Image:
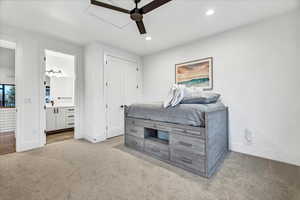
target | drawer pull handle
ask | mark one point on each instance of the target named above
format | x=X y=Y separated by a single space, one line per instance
x=70 y=123
x=185 y=144
x=133 y=130
x=71 y=116
x=70 y=109
x=186 y=160
x=155 y=150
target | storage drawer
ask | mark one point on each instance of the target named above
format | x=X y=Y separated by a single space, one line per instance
x=70 y=120
x=134 y=122
x=70 y=125
x=147 y=124
x=188 y=160
x=136 y=131
x=187 y=143
x=70 y=115
x=70 y=109
x=134 y=142
x=157 y=149
x=191 y=130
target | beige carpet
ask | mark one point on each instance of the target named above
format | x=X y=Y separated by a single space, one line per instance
x=78 y=170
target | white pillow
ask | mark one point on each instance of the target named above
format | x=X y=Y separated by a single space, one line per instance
x=178 y=95
x=175 y=96
x=178 y=92
x=192 y=92
x=170 y=97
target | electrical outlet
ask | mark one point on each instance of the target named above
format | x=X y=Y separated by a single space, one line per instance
x=248 y=137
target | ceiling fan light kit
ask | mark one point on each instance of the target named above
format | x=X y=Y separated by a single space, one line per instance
x=136 y=14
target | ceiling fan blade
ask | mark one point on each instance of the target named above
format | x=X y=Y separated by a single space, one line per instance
x=153 y=5
x=105 y=5
x=141 y=27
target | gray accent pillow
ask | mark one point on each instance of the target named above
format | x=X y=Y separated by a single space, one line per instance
x=205 y=98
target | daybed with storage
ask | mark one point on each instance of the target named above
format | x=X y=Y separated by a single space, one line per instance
x=198 y=149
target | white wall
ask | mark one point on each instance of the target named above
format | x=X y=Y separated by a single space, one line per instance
x=7 y=66
x=30 y=72
x=94 y=88
x=256 y=69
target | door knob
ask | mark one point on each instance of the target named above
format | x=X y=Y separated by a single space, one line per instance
x=122 y=106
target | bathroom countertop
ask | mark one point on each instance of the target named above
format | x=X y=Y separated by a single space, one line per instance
x=60 y=105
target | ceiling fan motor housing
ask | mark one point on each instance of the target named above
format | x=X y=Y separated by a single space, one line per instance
x=136 y=15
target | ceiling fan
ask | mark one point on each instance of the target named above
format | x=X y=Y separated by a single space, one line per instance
x=136 y=14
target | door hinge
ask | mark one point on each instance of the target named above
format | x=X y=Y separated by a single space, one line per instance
x=106 y=84
x=45 y=59
x=45 y=107
x=106 y=106
x=106 y=62
x=137 y=86
x=106 y=127
x=137 y=69
x=45 y=82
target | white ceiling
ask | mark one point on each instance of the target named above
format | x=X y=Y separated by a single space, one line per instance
x=175 y=23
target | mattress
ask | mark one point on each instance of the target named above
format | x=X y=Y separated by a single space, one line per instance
x=185 y=114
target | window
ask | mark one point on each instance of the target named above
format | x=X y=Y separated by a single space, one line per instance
x=7 y=96
x=1 y=95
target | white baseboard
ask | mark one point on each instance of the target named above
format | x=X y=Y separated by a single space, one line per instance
x=94 y=139
x=263 y=153
x=26 y=146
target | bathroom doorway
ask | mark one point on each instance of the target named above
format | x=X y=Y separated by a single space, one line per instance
x=59 y=89
x=7 y=98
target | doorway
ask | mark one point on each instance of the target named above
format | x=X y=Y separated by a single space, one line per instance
x=121 y=89
x=59 y=85
x=7 y=98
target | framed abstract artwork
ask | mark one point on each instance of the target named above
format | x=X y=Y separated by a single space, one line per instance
x=198 y=73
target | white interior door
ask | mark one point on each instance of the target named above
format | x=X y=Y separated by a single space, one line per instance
x=121 y=89
x=131 y=83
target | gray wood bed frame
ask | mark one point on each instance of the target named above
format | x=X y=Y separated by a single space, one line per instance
x=200 y=150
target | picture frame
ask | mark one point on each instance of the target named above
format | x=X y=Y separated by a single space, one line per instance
x=196 y=73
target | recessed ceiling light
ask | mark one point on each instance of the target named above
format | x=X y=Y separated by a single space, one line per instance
x=148 y=38
x=210 y=12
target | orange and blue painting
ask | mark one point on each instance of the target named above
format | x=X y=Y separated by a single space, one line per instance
x=195 y=74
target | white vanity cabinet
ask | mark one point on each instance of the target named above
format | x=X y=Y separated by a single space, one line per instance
x=58 y=118
x=50 y=119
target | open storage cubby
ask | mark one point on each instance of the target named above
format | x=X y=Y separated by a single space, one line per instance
x=156 y=135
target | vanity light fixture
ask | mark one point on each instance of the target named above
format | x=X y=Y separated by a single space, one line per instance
x=210 y=12
x=52 y=72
